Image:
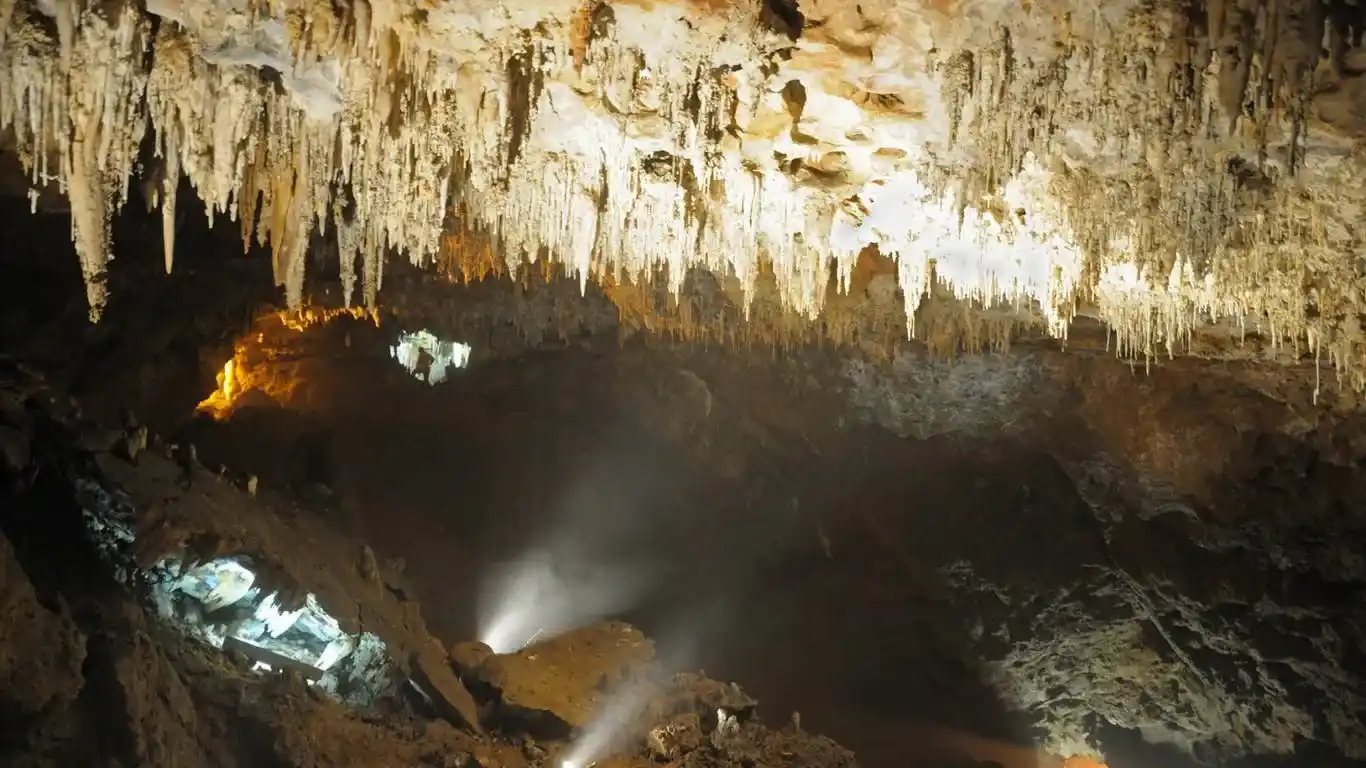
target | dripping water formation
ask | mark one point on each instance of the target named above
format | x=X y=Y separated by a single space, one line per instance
x=690 y=383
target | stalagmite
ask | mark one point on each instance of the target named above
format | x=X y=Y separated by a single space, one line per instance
x=1170 y=166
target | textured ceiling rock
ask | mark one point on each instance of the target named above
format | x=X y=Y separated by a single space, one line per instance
x=1158 y=164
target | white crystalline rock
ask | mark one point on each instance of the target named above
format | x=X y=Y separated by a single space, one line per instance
x=277 y=622
x=1029 y=155
x=336 y=650
x=232 y=584
x=441 y=355
x=229 y=34
x=1024 y=257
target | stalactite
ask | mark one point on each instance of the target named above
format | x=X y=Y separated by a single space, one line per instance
x=168 y=207
x=85 y=103
x=89 y=218
x=6 y=14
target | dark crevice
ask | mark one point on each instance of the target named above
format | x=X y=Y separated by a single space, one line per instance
x=783 y=17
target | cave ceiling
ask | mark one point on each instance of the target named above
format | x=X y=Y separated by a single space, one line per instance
x=1157 y=165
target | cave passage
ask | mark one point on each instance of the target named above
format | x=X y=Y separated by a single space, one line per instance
x=922 y=559
x=803 y=565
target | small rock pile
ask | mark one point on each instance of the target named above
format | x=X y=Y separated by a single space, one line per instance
x=604 y=677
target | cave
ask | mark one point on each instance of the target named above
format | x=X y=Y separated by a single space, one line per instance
x=540 y=386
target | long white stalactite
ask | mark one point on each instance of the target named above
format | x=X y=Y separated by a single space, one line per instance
x=1029 y=155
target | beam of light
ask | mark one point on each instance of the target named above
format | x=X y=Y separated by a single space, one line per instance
x=543 y=594
x=618 y=720
x=612 y=725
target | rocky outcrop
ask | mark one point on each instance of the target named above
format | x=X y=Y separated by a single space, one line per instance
x=42 y=653
x=1196 y=585
x=107 y=654
x=568 y=677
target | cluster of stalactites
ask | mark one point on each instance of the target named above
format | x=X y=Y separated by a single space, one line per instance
x=1190 y=179
x=79 y=103
x=74 y=102
x=623 y=159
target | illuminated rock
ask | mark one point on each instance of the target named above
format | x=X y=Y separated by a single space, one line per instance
x=468 y=656
x=673 y=739
x=569 y=676
x=1212 y=176
x=229 y=573
x=428 y=358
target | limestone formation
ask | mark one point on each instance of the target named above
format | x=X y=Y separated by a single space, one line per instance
x=1158 y=164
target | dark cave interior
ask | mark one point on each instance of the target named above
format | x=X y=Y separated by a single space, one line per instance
x=934 y=562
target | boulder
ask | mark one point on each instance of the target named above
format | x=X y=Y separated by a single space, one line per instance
x=433 y=674
x=569 y=676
